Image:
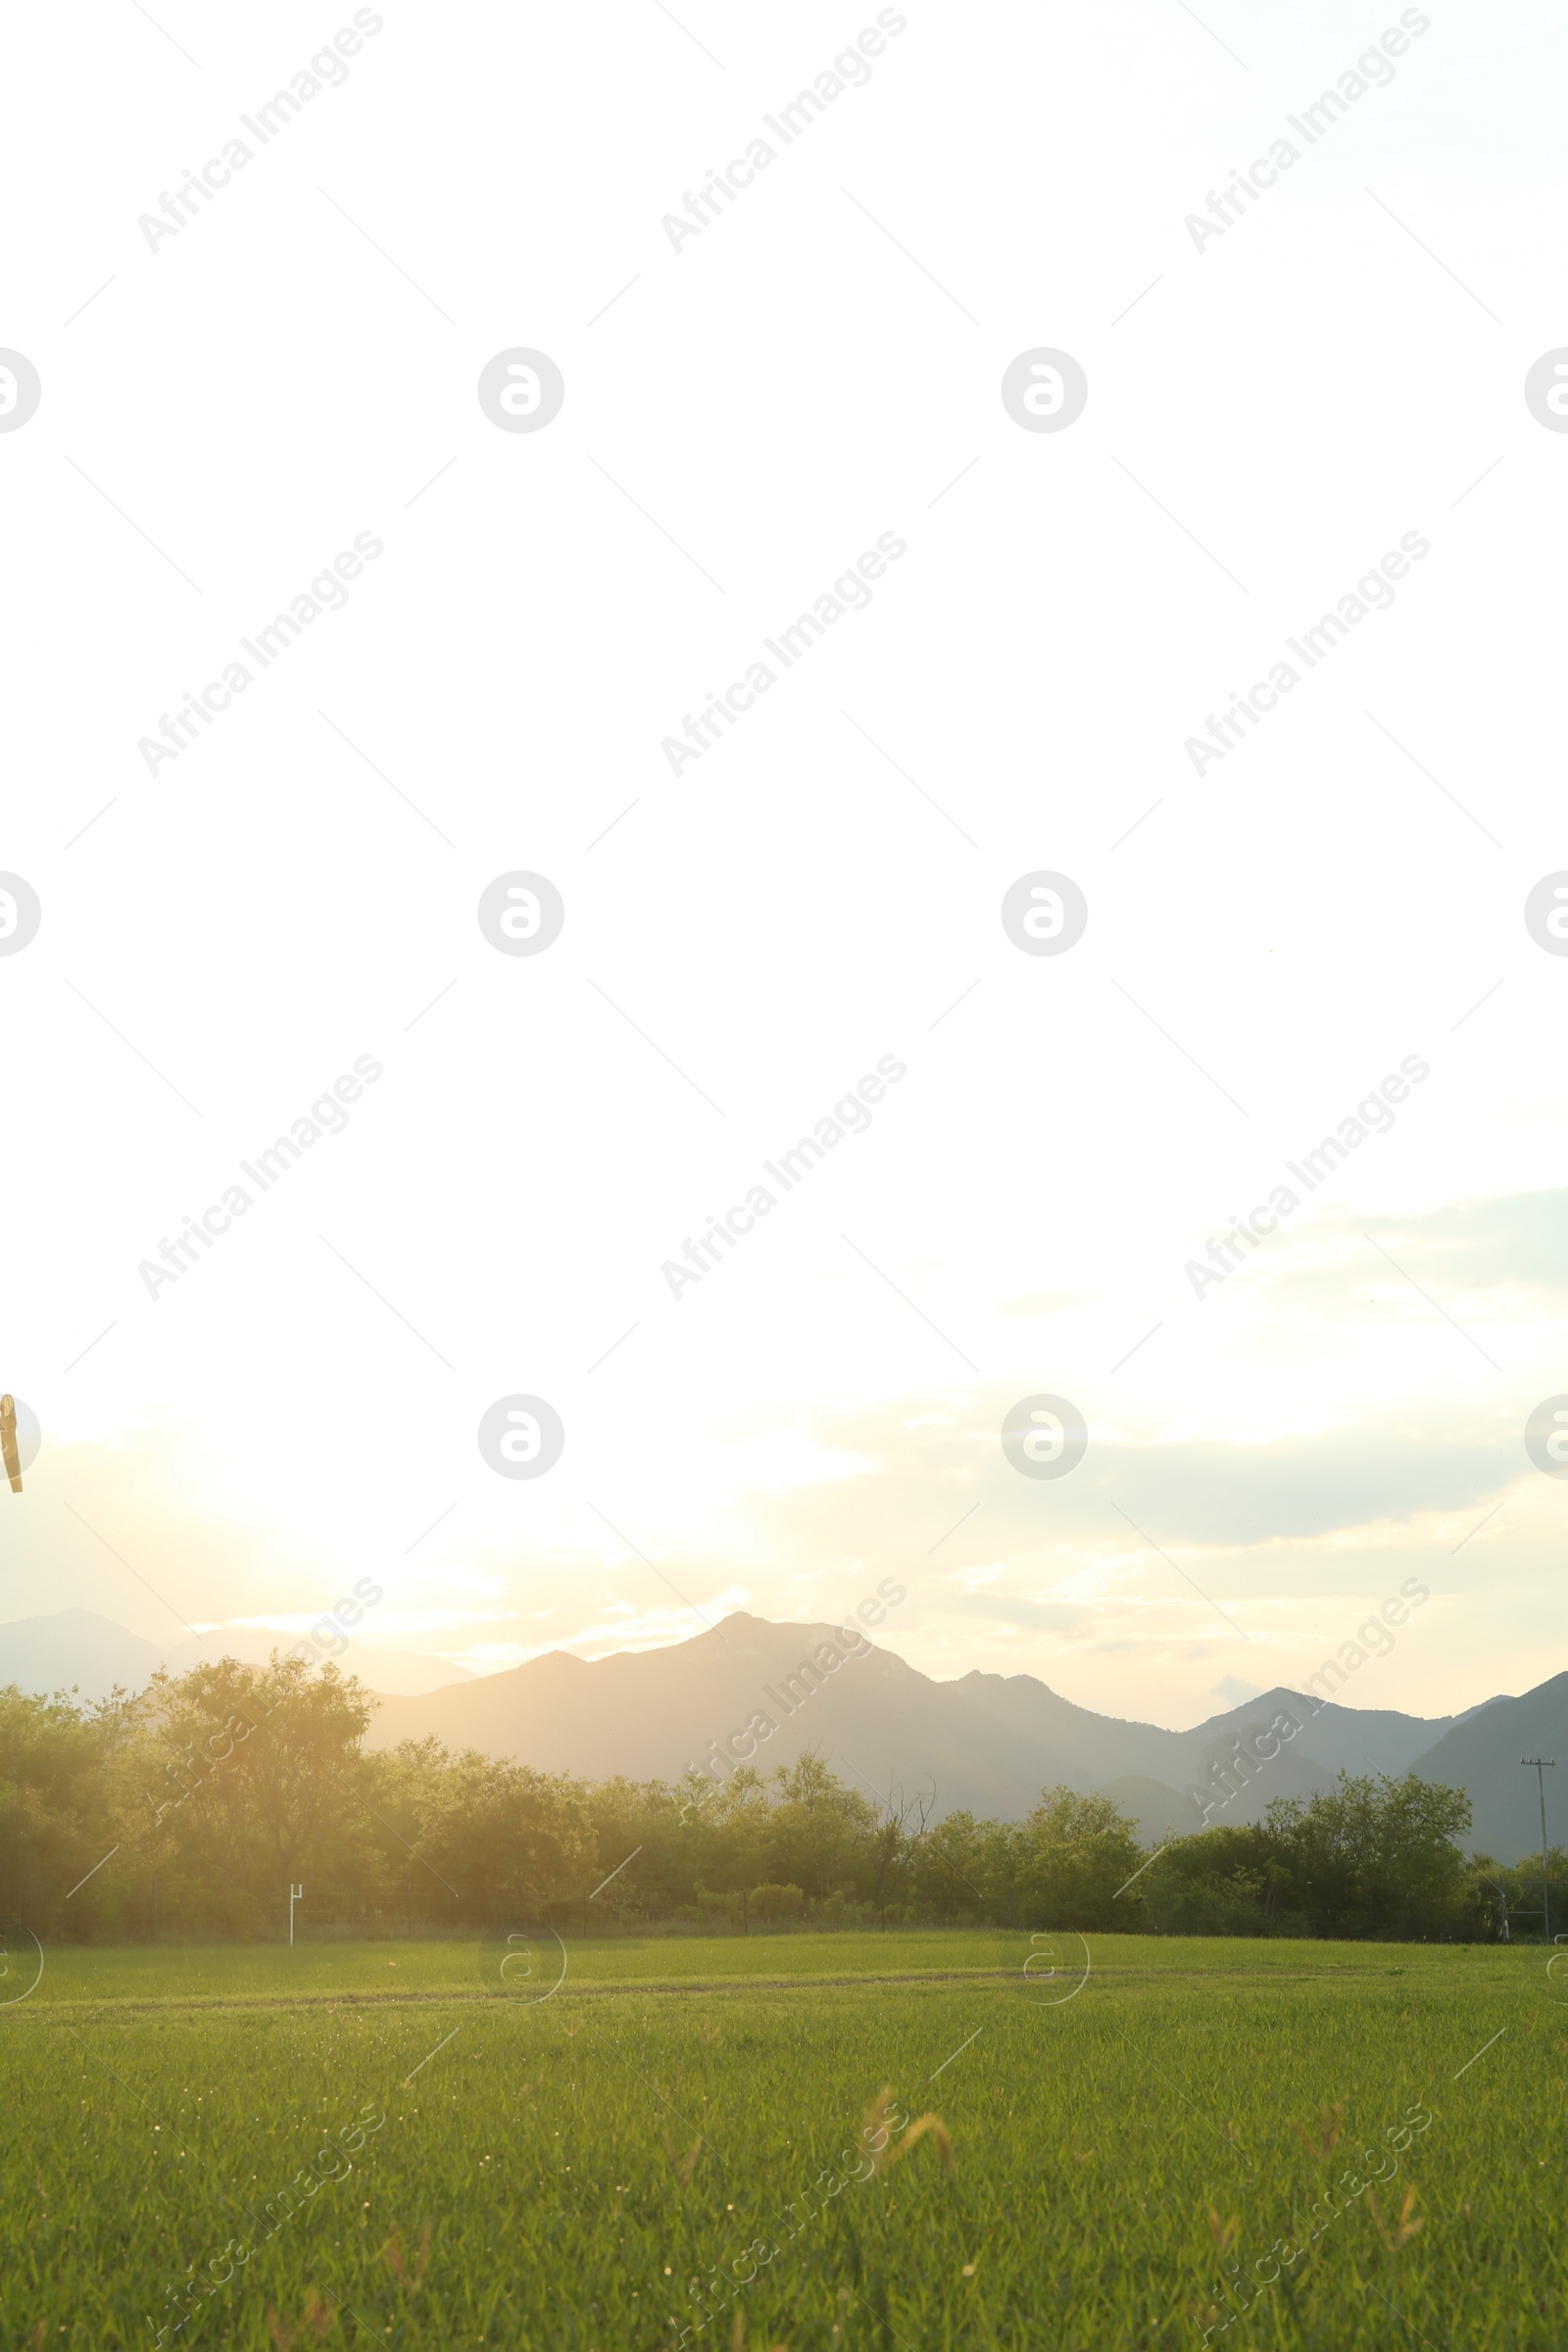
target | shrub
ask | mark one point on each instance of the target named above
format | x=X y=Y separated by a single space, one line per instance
x=768 y=1902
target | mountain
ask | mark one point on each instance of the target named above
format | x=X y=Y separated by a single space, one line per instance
x=379 y=1669
x=987 y=1742
x=1480 y=1753
x=77 y=1649
x=1159 y=1812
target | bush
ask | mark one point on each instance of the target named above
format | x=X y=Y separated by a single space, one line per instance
x=768 y=1902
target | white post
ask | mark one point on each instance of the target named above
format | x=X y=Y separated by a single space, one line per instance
x=295 y=1894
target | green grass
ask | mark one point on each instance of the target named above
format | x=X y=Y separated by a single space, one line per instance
x=155 y=2098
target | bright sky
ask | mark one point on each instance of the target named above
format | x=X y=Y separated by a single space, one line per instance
x=1272 y=410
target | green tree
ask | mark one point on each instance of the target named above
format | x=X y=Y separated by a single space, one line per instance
x=466 y=1841
x=234 y=1781
x=1074 y=1853
x=1375 y=1856
x=964 y=1868
x=819 y=1831
x=56 y=1821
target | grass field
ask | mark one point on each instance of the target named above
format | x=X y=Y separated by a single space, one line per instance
x=1119 y=2142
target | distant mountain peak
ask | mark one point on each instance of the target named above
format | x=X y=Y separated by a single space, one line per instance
x=751 y=1689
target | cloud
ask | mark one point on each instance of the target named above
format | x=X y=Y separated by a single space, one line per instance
x=1049 y=1616
x=1514 y=1240
x=935 y=1459
x=1297 y=1488
x=1520 y=1237
x=1234 y=1692
x=389 y=1622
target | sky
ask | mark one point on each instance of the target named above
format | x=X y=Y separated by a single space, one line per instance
x=1019 y=680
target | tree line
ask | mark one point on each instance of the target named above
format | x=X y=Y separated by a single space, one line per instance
x=188 y=1809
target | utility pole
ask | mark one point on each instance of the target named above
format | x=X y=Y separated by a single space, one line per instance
x=296 y=1894
x=155 y=1906
x=1546 y=1899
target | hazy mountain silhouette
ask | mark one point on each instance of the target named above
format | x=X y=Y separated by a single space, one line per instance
x=1480 y=1753
x=76 y=1648
x=988 y=1743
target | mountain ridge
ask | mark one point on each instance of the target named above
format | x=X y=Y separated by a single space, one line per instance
x=80 y=1649
x=751 y=1690
x=986 y=1742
